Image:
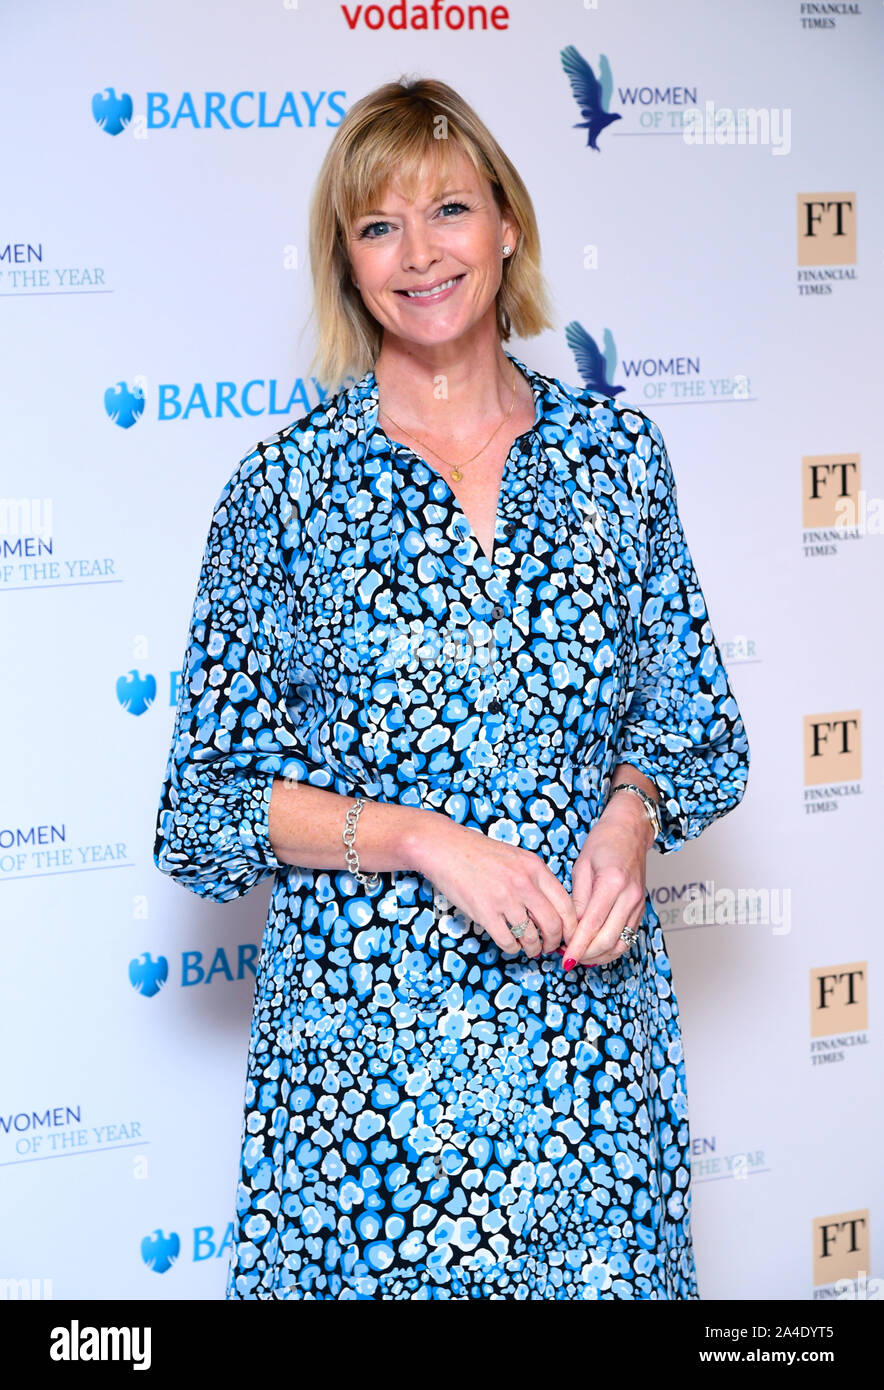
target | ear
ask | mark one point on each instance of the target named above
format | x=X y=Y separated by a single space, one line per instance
x=511 y=232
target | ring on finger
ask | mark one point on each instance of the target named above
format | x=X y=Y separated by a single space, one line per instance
x=630 y=936
x=519 y=929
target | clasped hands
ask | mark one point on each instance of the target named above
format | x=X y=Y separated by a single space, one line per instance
x=498 y=884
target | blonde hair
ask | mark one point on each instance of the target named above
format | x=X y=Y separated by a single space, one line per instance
x=396 y=129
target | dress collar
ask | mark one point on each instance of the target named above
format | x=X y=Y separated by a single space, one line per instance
x=551 y=404
x=576 y=449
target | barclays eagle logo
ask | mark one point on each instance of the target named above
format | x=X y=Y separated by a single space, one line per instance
x=595 y=369
x=592 y=94
x=160 y=1251
x=112 y=113
x=135 y=692
x=122 y=405
x=147 y=975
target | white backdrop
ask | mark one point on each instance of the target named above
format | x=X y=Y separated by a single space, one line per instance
x=739 y=285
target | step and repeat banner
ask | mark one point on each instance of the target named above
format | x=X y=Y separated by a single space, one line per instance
x=707 y=183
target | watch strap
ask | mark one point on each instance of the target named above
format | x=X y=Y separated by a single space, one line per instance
x=651 y=808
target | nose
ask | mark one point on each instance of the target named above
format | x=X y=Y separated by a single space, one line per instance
x=418 y=250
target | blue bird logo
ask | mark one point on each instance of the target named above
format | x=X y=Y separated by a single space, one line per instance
x=135 y=692
x=591 y=93
x=122 y=405
x=595 y=369
x=148 y=975
x=160 y=1251
x=112 y=113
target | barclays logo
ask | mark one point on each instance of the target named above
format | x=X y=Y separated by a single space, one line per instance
x=221 y=110
x=123 y=406
x=223 y=398
x=136 y=693
x=147 y=975
x=160 y=1251
x=213 y=401
x=112 y=113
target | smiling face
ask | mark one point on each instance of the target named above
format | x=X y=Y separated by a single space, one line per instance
x=453 y=231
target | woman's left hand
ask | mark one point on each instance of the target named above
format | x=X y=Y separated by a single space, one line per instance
x=608 y=882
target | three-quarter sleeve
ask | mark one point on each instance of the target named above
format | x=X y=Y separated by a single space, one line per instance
x=682 y=727
x=233 y=734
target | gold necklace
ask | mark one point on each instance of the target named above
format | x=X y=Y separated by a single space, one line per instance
x=456 y=467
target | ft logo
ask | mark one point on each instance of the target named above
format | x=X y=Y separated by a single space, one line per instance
x=830 y=494
x=832 y=759
x=838 y=999
x=826 y=229
x=840 y=1252
x=832 y=747
x=839 y=1011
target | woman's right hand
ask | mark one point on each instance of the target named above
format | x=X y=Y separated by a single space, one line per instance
x=494 y=883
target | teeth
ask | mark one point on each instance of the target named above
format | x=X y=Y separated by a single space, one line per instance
x=422 y=294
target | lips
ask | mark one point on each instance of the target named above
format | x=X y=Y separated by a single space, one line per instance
x=447 y=283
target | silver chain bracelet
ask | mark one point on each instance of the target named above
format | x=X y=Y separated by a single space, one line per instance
x=349 y=835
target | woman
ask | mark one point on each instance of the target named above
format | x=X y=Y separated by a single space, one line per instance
x=450 y=675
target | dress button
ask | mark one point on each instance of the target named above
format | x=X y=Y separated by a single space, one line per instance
x=495 y=707
x=498 y=611
x=510 y=529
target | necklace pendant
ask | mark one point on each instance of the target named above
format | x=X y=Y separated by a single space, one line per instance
x=456 y=474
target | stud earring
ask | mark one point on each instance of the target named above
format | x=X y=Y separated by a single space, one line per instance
x=506 y=250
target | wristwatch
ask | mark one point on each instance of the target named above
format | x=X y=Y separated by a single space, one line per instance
x=650 y=805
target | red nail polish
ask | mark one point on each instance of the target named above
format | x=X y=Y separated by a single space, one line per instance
x=569 y=964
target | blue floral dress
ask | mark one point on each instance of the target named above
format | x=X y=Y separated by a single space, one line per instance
x=428 y=1116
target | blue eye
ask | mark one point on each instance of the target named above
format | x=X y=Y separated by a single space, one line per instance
x=364 y=234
